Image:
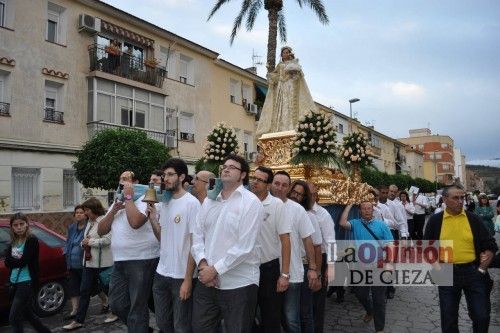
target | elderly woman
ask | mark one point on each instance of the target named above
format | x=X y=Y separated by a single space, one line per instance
x=288 y=97
x=486 y=213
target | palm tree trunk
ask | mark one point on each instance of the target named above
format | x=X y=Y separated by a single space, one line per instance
x=271 y=39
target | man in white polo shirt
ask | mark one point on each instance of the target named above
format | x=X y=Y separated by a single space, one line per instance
x=135 y=255
x=226 y=252
x=173 y=224
x=301 y=244
x=274 y=241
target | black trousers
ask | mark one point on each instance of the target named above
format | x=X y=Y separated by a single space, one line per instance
x=319 y=299
x=235 y=306
x=418 y=226
x=21 y=309
x=269 y=300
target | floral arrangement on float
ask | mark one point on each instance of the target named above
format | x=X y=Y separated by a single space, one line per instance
x=315 y=141
x=354 y=152
x=221 y=141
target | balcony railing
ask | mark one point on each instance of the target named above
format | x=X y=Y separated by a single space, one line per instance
x=119 y=63
x=4 y=109
x=54 y=116
x=167 y=137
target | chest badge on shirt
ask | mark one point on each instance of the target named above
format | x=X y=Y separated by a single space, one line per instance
x=177 y=218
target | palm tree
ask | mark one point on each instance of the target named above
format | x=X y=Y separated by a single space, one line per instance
x=250 y=9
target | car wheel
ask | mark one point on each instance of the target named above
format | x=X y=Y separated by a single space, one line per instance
x=50 y=298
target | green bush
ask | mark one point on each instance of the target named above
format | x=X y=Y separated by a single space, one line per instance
x=112 y=151
x=376 y=178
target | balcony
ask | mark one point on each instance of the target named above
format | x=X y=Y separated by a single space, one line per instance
x=167 y=138
x=4 y=109
x=115 y=62
x=53 y=116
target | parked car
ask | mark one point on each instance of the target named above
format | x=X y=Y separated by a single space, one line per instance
x=50 y=297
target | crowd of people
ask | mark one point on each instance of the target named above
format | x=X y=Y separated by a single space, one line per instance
x=243 y=253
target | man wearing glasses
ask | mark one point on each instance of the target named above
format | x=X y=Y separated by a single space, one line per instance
x=274 y=241
x=173 y=224
x=224 y=248
x=301 y=244
x=473 y=251
x=201 y=183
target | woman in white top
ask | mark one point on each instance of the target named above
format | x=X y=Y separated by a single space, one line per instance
x=409 y=209
x=97 y=257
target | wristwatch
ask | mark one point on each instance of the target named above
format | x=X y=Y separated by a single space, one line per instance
x=128 y=197
x=285 y=275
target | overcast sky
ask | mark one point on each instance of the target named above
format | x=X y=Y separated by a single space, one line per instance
x=412 y=64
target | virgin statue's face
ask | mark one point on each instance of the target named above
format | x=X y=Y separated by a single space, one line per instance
x=285 y=55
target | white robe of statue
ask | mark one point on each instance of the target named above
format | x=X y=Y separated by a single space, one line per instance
x=288 y=97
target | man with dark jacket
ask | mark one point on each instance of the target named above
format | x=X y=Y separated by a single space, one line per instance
x=473 y=250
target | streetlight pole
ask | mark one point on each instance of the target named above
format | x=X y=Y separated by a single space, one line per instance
x=352 y=100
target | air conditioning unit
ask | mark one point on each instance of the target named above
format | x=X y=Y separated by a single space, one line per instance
x=89 y=23
x=252 y=108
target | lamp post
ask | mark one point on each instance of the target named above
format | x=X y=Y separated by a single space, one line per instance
x=352 y=100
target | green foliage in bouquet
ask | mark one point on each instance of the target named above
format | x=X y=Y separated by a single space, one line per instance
x=354 y=149
x=315 y=141
x=220 y=143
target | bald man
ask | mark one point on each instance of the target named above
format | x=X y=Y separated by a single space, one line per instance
x=200 y=184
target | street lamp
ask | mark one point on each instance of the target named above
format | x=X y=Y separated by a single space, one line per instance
x=352 y=100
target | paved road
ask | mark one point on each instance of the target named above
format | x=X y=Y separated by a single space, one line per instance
x=413 y=310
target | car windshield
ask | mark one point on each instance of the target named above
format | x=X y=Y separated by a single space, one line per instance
x=46 y=237
x=4 y=240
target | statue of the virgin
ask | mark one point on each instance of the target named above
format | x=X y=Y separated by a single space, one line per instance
x=288 y=97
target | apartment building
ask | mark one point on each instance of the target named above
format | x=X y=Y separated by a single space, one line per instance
x=69 y=68
x=439 y=160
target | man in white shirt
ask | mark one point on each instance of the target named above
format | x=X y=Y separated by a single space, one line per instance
x=421 y=204
x=301 y=244
x=299 y=192
x=274 y=241
x=225 y=248
x=173 y=224
x=135 y=254
x=327 y=228
x=201 y=183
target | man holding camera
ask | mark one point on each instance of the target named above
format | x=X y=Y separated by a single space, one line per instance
x=135 y=255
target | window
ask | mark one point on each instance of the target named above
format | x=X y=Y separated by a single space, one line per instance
x=56 y=32
x=186 y=126
x=6 y=14
x=52 y=105
x=247 y=144
x=234 y=91
x=70 y=189
x=375 y=141
x=121 y=104
x=4 y=101
x=186 y=69
x=3 y=14
x=247 y=94
x=446 y=167
x=444 y=145
x=25 y=189
x=340 y=128
x=420 y=147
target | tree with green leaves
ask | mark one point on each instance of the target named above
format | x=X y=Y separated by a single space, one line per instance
x=112 y=151
x=276 y=18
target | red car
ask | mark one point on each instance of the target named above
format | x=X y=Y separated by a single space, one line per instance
x=51 y=295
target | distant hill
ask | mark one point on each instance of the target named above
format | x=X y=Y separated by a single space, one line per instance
x=495 y=162
x=490 y=175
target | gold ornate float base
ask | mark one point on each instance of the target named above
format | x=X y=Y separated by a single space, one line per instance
x=274 y=151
